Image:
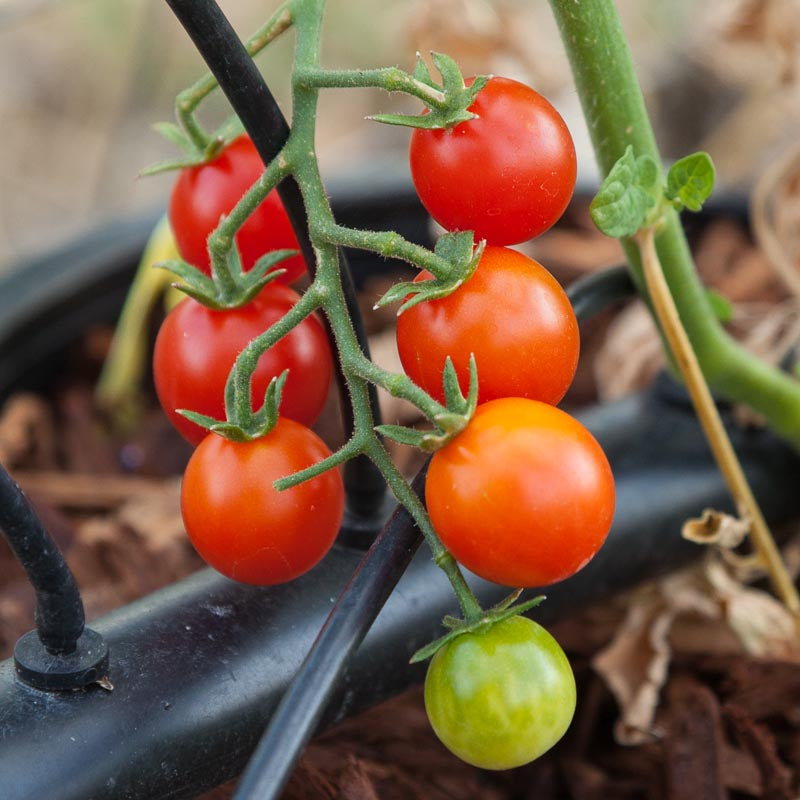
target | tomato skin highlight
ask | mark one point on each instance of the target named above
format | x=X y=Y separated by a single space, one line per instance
x=241 y=525
x=197 y=346
x=501 y=697
x=524 y=496
x=516 y=319
x=507 y=174
x=204 y=193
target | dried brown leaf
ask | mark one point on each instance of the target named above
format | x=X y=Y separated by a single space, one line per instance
x=716 y=528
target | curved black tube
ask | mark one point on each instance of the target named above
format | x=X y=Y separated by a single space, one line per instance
x=301 y=708
x=59 y=608
x=251 y=99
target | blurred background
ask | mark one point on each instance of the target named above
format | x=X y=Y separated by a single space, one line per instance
x=82 y=81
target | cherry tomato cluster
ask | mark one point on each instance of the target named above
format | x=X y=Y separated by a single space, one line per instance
x=238 y=523
x=524 y=495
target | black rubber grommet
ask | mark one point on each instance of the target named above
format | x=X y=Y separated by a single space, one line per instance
x=37 y=667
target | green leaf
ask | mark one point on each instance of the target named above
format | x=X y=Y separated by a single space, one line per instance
x=621 y=206
x=690 y=181
x=720 y=305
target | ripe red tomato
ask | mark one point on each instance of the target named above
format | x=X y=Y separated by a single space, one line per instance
x=202 y=194
x=524 y=496
x=516 y=319
x=241 y=525
x=501 y=696
x=196 y=347
x=507 y=174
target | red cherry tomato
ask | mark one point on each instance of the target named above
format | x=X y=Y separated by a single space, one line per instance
x=516 y=319
x=202 y=194
x=524 y=496
x=196 y=347
x=507 y=174
x=241 y=525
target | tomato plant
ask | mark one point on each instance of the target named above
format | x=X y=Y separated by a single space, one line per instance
x=241 y=525
x=508 y=174
x=524 y=496
x=512 y=315
x=203 y=193
x=501 y=696
x=197 y=346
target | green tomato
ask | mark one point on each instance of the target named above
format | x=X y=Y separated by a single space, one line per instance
x=500 y=697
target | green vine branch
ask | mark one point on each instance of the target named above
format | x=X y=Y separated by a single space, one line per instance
x=747 y=506
x=616 y=116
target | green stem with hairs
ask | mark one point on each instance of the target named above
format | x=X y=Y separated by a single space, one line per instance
x=616 y=116
x=326 y=293
x=189 y=99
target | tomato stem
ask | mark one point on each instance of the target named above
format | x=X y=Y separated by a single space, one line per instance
x=391 y=79
x=616 y=116
x=708 y=415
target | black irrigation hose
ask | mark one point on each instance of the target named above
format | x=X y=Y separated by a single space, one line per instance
x=59 y=608
x=299 y=712
x=61 y=654
x=251 y=99
x=301 y=708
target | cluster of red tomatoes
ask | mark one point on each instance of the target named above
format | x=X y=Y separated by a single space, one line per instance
x=524 y=496
x=238 y=523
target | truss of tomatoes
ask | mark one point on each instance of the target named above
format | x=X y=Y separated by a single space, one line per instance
x=523 y=496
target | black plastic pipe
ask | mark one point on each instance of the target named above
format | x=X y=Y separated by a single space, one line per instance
x=61 y=654
x=59 y=608
x=251 y=99
x=301 y=708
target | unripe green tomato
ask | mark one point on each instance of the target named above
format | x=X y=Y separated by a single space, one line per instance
x=500 y=697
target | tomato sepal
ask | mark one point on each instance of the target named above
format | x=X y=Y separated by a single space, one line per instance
x=458 y=627
x=243 y=425
x=460 y=251
x=458 y=97
x=193 y=155
x=450 y=423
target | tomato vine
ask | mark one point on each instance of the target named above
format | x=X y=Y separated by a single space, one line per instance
x=518 y=492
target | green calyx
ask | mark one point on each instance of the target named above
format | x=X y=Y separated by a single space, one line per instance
x=449 y=102
x=633 y=195
x=194 y=153
x=458 y=251
x=457 y=627
x=242 y=425
x=447 y=425
x=239 y=288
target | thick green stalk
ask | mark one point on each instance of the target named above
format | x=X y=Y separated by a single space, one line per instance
x=616 y=116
